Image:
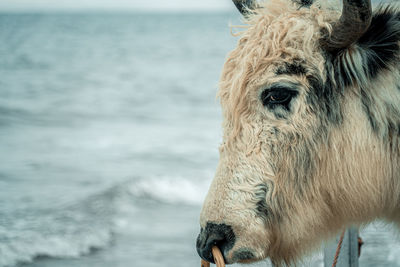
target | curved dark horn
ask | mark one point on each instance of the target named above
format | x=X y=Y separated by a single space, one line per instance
x=244 y=5
x=354 y=21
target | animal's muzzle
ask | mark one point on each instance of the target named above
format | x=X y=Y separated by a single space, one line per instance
x=220 y=235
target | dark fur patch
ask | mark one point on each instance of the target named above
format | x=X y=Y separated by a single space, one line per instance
x=245 y=6
x=242 y=255
x=366 y=101
x=379 y=47
x=393 y=130
x=304 y=3
x=295 y=68
x=379 y=51
x=326 y=98
x=323 y=96
x=261 y=206
x=381 y=41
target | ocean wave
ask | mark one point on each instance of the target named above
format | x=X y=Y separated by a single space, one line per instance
x=171 y=190
x=30 y=247
x=66 y=232
x=75 y=229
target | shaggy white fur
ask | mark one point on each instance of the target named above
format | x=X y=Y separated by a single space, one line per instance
x=290 y=177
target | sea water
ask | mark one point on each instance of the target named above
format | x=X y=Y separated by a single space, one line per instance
x=109 y=130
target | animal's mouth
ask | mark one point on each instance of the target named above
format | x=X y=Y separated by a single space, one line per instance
x=244 y=255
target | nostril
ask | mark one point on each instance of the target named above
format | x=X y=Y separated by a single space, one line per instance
x=215 y=240
x=220 y=235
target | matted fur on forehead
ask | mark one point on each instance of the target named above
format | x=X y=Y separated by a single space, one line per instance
x=278 y=32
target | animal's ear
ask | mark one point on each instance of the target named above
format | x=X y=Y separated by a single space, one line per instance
x=245 y=6
x=377 y=49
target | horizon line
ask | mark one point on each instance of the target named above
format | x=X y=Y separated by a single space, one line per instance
x=111 y=12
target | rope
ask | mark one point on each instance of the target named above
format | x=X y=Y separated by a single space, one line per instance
x=360 y=244
x=218 y=258
x=339 y=247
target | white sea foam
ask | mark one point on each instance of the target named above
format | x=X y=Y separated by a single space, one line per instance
x=172 y=190
x=31 y=246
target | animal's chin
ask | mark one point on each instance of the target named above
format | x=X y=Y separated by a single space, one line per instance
x=248 y=261
x=244 y=256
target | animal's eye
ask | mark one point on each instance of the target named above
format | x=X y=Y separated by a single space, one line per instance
x=277 y=97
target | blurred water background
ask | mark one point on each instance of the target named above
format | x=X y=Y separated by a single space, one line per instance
x=109 y=129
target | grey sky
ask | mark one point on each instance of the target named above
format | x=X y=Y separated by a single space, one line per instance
x=170 y=5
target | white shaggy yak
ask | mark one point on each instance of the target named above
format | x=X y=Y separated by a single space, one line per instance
x=311 y=105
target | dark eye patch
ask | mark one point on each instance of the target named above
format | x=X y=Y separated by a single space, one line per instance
x=278 y=96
